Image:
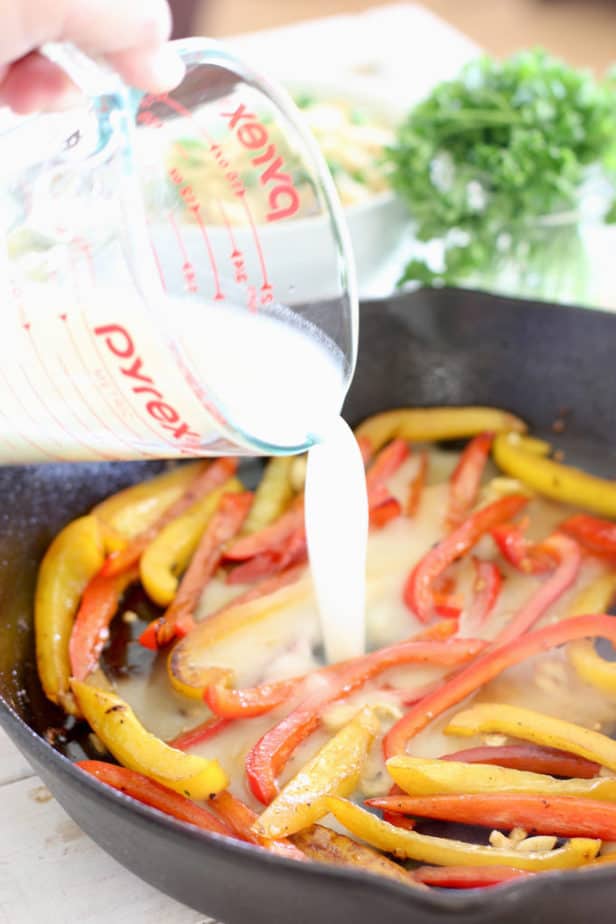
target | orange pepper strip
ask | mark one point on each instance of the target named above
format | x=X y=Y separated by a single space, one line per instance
x=488 y=666
x=530 y=757
x=214 y=476
x=149 y=792
x=563 y=816
x=98 y=606
x=240 y=818
x=467 y=877
x=416 y=486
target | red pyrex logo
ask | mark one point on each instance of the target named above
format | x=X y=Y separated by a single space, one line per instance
x=121 y=344
x=283 y=197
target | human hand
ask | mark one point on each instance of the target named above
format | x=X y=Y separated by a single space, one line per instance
x=130 y=35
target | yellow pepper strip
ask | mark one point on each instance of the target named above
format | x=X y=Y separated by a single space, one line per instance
x=420 y=776
x=168 y=554
x=132 y=510
x=72 y=559
x=334 y=770
x=118 y=728
x=190 y=661
x=326 y=846
x=272 y=496
x=426 y=425
x=441 y=851
x=585 y=660
x=517 y=458
x=503 y=719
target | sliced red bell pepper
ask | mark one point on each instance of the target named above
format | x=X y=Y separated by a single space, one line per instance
x=386 y=464
x=563 y=816
x=530 y=757
x=178 y=619
x=517 y=550
x=200 y=733
x=270 y=754
x=418 y=591
x=240 y=818
x=366 y=447
x=269 y=585
x=552 y=589
x=97 y=608
x=380 y=516
x=486 y=591
x=466 y=479
x=595 y=534
x=213 y=477
x=149 y=792
x=416 y=486
x=488 y=666
x=467 y=877
x=229 y=703
x=269 y=563
x=272 y=538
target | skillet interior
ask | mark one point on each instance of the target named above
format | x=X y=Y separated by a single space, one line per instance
x=426 y=348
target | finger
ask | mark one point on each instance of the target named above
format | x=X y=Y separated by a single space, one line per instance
x=100 y=27
x=34 y=83
x=157 y=70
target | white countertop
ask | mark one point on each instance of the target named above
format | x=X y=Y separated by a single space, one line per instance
x=49 y=869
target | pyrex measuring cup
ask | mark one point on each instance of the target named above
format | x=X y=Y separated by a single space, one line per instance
x=177 y=277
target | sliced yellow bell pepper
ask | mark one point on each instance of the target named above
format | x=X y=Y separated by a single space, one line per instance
x=426 y=425
x=272 y=496
x=167 y=556
x=585 y=660
x=72 y=559
x=334 y=770
x=419 y=776
x=118 y=728
x=441 y=851
x=518 y=457
x=499 y=718
x=326 y=846
x=132 y=510
x=190 y=660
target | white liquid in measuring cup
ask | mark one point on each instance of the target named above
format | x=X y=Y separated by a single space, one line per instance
x=94 y=379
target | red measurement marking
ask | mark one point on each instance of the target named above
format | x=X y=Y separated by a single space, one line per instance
x=158 y=265
x=266 y=287
x=188 y=269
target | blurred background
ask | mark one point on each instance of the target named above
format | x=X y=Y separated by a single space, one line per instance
x=583 y=31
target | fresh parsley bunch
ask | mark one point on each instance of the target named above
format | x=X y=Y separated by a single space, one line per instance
x=504 y=144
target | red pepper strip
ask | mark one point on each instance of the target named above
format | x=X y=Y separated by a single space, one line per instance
x=200 y=733
x=149 y=792
x=530 y=757
x=554 y=587
x=97 y=608
x=269 y=585
x=271 y=538
x=487 y=667
x=229 y=703
x=595 y=534
x=270 y=563
x=270 y=754
x=213 y=477
x=486 y=591
x=418 y=591
x=467 y=877
x=416 y=486
x=525 y=556
x=386 y=464
x=563 y=816
x=240 y=818
x=381 y=515
x=178 y=618
x=466 y=479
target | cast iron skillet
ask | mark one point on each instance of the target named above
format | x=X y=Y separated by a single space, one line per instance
x=431 y=347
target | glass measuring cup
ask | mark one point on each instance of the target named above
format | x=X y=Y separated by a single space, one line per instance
x=178 y=279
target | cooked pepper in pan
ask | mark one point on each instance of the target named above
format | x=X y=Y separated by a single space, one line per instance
x=482 y=700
